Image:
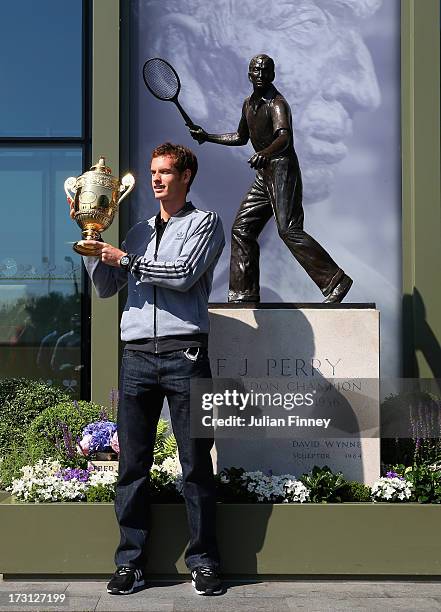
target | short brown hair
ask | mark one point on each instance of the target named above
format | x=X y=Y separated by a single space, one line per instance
x=184 y=158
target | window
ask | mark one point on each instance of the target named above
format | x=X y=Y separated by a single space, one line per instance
x=43 y=140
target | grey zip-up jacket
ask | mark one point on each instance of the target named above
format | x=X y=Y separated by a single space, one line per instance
x=167 y=293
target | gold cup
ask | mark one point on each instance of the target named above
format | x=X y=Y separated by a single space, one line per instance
x=96 y=195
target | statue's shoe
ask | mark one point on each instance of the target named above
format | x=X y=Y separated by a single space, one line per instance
x=339 y=292
x=239 y=298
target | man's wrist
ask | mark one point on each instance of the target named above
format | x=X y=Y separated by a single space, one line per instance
x=126 y=260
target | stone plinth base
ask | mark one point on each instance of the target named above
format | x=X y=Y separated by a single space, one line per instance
x=300 y=345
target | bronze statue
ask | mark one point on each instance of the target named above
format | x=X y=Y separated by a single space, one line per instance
x=277 y=190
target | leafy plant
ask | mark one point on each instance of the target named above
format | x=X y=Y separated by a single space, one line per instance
x=9 y=388
x=165 y=444
x=324 y=485
x=355 y=491
x=162 y=487
x=100 y=493
x=59 y=427
x=426 y=483
x=21 y=401
x=12 y=462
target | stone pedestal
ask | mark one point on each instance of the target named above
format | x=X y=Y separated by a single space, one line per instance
x=300 y=344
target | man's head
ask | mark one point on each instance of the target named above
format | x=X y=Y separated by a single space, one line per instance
x=261 y=72
x=173 y=168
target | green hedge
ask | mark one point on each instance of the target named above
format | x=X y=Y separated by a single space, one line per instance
x=21 y=400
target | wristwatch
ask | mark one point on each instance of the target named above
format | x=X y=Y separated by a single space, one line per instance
x=124 y=262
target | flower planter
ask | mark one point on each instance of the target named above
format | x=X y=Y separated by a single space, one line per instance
x=254 y=539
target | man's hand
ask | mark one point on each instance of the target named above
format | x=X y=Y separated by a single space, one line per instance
x=198 y=133
x=259 y=160
x=108 y=254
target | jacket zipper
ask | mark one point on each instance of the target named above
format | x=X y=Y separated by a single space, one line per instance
x=155 y=258
x=155 y=339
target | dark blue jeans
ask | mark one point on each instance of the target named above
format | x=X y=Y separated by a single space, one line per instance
x=145 y=380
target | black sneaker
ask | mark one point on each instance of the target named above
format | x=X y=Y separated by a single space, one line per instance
x=206 y=581
x=125 y=580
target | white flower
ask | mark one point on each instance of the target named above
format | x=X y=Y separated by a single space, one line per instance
x=40 y=483
x=275 y=488
x=172 y=466
x=391 y=489
x=102 y=478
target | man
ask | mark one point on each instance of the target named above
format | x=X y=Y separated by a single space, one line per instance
x=277 y=190
x=168 y=264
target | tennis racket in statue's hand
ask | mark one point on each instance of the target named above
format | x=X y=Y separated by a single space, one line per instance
x=163 y=82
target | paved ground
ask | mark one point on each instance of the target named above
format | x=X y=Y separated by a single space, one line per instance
x=311 y=596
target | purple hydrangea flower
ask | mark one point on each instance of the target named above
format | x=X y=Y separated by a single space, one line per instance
x=101 y=433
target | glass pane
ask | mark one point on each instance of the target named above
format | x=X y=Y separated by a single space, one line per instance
x=40 y=68
x=40 y=275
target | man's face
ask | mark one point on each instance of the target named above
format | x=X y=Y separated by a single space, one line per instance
x=168 y=184
x=261 y=74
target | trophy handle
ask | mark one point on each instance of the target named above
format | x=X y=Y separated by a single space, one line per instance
x=69 y=187
x=127 y=184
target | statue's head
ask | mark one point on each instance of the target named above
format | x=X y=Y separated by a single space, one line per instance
x=261 y=72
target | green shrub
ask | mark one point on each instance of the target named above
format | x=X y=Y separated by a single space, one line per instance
x=162 y=488
x=45 y=434
x=21 y=401
x=355 y=491
x=10 y=386
x=324 y=485
x=12 y=462
x=426 y=483
x=100 y=493
x=55 y=431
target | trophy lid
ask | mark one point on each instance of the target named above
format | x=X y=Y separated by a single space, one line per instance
x=101 y=166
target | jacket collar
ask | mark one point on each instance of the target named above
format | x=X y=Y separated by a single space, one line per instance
x=188 y=207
